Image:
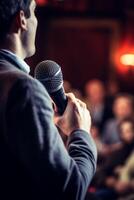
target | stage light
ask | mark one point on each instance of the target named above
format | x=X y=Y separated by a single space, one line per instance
x=41 y=2
x=127 y=59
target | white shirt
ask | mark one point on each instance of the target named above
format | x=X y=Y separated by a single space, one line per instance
x=19 y=60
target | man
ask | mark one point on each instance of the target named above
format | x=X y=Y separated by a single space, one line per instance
x=34 y=161
x=122 y=108
x=96 y=101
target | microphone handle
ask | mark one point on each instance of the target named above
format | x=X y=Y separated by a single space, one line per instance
x=60 y=100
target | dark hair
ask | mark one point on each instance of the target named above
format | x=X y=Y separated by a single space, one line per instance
x=126 y=96
x=125 y=120
x=8 y=10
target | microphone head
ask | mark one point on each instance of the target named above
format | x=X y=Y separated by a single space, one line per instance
x=50 y=75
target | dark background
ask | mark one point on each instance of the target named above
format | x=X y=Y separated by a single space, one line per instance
x=86 y=38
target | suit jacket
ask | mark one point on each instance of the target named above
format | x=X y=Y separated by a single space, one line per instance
x=34 y=161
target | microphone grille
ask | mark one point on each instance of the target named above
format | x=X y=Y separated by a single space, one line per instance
x=50 y=75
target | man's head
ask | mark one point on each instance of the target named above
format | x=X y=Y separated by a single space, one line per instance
x=126 y=130
x=95 y=92
x=17 y=18
x=123 y=106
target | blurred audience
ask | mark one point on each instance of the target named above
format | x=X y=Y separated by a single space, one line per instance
x=113 y=132
x=113 y=176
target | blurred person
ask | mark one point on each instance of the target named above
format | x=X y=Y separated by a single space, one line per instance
x=34 y=161
x=125 y=183
x=122 y=108
x=107 y=181
x=102 y=149
x=126 y=174
x=113 y=88
x=95 y=100
x=126 y=134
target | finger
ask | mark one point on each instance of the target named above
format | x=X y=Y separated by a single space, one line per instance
x=72 y=99
x=82 y=104
x=71 y=96
x=76 y=103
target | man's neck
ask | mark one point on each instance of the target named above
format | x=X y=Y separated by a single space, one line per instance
x=13 y=44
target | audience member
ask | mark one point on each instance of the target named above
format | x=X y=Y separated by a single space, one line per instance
x=95 y=100
x=122 y=108
x=103 y=149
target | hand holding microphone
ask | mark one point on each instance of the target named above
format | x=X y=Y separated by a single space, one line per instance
x=76 y=116
x=73 y=113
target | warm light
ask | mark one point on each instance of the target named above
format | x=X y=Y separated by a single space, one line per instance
x=41 y=2
x=124 y=48
x=127 y=59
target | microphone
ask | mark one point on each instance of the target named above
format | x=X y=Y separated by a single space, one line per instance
x=50 y=75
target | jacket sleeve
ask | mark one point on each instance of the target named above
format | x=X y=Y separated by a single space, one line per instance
x=36 y=142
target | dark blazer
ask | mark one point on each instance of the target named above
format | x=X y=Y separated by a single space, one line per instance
x=34 y=164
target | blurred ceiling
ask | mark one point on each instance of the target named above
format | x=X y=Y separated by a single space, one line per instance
x=83 y=5
x=94 y=8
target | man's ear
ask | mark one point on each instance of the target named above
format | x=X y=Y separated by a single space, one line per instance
x=20 y=21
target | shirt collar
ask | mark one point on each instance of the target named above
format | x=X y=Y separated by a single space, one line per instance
x=19 y=60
